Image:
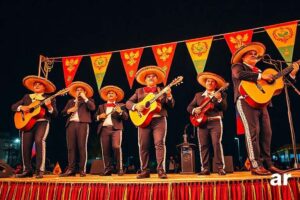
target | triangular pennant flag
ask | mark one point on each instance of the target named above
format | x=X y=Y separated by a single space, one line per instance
x=100 y=62
x=237 y=39
x=57 y=169
x=33 y=150
x=283 y=35
x=131 y=59
x=199 y=50
x=164 y=54
x=240 y=130
x=70 y=66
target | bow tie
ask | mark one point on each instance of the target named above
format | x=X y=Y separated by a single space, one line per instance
x=150 y=89
x=255 y=69
x=110 y=105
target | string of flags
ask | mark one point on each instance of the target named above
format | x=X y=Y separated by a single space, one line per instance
x=283 y=36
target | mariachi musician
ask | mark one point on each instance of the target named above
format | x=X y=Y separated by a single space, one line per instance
x=79 y=111
x=151 y=76
x=213 y=111
x=110 y=117
x=40 y=87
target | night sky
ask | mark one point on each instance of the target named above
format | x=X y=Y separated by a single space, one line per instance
x=50 y=28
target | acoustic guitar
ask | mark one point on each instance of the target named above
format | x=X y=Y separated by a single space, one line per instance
x=24 y=121
x=143 y=119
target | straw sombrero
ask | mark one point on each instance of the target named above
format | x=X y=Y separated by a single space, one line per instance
x=29 y=81
x=103 y=92
x=205 y=75
x=152 y=69
x=73 y=86
x=253 y=46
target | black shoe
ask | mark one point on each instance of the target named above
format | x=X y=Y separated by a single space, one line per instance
x=260 y=171
x=204 y=172
x=120 y=172
x=24 y=174
x=274 y=170
x=162 y=174
x=143 y=174
x=82 y=174
x=68 y=173
x=39 y=174
x=106 y=173
x=221 y=172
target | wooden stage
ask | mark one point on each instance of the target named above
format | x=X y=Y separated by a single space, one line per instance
x=237 y=185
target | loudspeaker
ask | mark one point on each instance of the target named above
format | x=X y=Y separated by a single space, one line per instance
x=97 y=167
x=228 y=164
x=187 y=160
x=5 y=170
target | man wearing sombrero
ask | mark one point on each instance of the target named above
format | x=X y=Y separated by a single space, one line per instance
x=110 y=117
x=38 y=133
x=79 y=112
x=213 y=128
x=256 y=121
x=150 y=76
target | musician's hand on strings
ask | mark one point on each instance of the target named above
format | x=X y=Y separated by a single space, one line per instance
x=102 y=116
x=25 y=108
x=197 y=110
x=48 y=104
x=218 y=95
x=169 y=93
x=267 y=77
x=140 y=107
x=295 y=68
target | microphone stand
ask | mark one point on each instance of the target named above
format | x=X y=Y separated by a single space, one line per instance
x=287 y=83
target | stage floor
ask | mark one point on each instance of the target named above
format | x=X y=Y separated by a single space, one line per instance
x=131 y=178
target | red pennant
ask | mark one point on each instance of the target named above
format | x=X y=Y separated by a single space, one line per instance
x=164 y=54
x=237 y=39
x=131 y=59
x=70 y=66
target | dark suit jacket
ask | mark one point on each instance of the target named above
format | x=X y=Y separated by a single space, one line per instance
x=116 y=118
x=139 y=95
x=26 y=100
x=218 y=107
x=84 y=110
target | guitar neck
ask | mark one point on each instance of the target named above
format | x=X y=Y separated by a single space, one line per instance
x=219 y=90
x=284 y=72
x=160 y=93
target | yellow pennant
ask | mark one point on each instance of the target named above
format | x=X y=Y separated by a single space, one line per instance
x=100 y=63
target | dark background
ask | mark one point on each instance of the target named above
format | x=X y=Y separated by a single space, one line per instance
x=30 y=28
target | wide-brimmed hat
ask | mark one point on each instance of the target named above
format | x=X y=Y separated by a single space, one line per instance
x=119 y=92
x=253 y=46
x=29 y=81
x=205 y=75
x=152 y=69
x=86 y=87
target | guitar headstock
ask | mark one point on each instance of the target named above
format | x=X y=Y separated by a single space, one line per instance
x=62 y=92
x=176 y=81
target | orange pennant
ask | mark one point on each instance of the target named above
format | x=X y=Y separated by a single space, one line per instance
x=70 y=66
x=237 y=39
x=164 y=54
x=131 y=59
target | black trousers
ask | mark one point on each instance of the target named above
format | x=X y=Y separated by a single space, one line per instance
x=77 y=138
x=111 y=139
x=158 y=130
x=258 y=133
x=212 y=130
x=37 y=134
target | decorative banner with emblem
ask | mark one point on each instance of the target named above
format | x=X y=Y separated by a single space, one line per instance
x=100 y=62
x=70 y=66
x=164 y=54
x=237 y=39
x=131 y=59
x=199 y=50
x=283 y=35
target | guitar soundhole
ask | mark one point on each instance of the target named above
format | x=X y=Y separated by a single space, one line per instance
x=31 y=110
x=147 y=105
